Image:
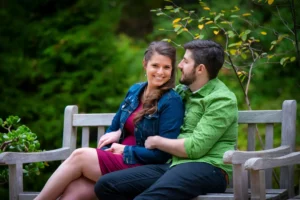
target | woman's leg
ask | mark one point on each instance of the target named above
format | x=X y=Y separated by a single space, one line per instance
x=80 y=189
x=82 y=162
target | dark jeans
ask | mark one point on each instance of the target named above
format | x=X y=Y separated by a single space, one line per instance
x=159 y=182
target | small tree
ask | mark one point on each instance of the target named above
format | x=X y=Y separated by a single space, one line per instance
x=18 y=138
x=242 y=35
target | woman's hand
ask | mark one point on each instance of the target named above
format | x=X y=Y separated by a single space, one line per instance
x=109 y=138
x=116 y=148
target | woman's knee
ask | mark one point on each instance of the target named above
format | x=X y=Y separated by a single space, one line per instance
x=78 y=155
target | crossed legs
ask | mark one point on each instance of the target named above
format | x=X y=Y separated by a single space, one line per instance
x=80 y=168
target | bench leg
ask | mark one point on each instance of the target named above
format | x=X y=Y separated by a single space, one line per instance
x=15 y=181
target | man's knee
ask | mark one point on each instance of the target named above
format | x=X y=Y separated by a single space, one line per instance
x=103 y=186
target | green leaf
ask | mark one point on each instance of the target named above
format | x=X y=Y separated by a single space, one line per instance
x=180 y=31
x=247 y=32
x=293 y=59
x=230 y=34
x=176 y=10
x=166 y=40
x=169 y=7
x=185 y=18
x=234 y=16
x=284 y=60
x=218 y=16
x=177 y=28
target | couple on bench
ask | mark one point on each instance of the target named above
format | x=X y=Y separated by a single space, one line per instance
x=163 y=143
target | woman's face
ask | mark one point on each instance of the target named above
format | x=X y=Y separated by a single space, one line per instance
x=158 y=70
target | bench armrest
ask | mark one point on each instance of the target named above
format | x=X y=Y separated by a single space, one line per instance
x=240 y=157
x=266 y=163
x=8 y=158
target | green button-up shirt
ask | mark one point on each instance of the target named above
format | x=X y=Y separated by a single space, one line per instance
x=210 y=124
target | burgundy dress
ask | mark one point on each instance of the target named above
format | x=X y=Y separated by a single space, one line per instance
x=110 y=162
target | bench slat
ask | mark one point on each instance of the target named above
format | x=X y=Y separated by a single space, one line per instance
x=260 y=117
x=92 y=119
x=85 y=137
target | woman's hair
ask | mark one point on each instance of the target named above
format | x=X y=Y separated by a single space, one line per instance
x=150 y=101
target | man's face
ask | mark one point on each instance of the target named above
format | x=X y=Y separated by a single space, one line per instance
x=186 y=66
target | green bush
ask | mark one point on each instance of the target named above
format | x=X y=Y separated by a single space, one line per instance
x=18 y=138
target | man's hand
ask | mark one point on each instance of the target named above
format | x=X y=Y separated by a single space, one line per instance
x=109 y=138
x=116 y=148
x=151 y=142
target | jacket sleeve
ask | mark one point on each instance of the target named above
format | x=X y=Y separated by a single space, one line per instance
x=170 y=120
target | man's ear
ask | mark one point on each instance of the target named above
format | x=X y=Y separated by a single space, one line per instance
x=200 y=69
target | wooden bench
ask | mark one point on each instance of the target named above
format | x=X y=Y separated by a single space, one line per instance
x=72 y=120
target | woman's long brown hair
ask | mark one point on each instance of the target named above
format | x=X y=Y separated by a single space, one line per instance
x=150 y=101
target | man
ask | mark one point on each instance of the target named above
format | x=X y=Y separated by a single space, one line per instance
x=208 y=131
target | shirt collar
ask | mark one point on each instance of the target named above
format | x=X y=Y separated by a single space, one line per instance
x=207 y=88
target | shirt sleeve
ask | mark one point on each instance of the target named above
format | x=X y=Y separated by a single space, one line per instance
x=218 y=116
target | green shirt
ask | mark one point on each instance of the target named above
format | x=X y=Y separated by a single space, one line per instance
x=210 y=124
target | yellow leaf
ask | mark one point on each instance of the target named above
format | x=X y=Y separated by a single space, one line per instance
x=216 y=32
x=270 y=56
x=263 y=33
x=185 y=29
x=232 y=51
x=176 y=20
x=206 y=8
x=209 y=22
x=197 y=37
x=270 y=2
x=176 y=25
x=246 y=14
x=200 y=26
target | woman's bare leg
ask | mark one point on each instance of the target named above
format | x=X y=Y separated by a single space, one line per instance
x=82 y=162
x=80 y=189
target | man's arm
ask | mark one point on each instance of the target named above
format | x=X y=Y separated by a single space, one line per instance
x=171 y=146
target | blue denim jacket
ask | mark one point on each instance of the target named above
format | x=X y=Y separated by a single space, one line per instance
x=166 y=122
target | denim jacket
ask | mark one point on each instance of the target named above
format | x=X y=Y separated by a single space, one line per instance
x=166 y=122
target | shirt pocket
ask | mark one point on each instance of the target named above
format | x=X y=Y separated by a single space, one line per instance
x=150 y=126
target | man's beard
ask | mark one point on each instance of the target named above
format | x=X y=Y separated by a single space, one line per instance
x=188 y=79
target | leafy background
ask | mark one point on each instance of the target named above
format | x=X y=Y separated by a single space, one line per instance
x=88 y=52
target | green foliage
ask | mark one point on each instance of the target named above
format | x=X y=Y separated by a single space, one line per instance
x=247 y=42
x=59 y=53
x=18 y=138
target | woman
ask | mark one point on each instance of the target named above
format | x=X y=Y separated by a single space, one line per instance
x=150 y=108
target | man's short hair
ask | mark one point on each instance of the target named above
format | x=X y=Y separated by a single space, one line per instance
x=209 y=53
